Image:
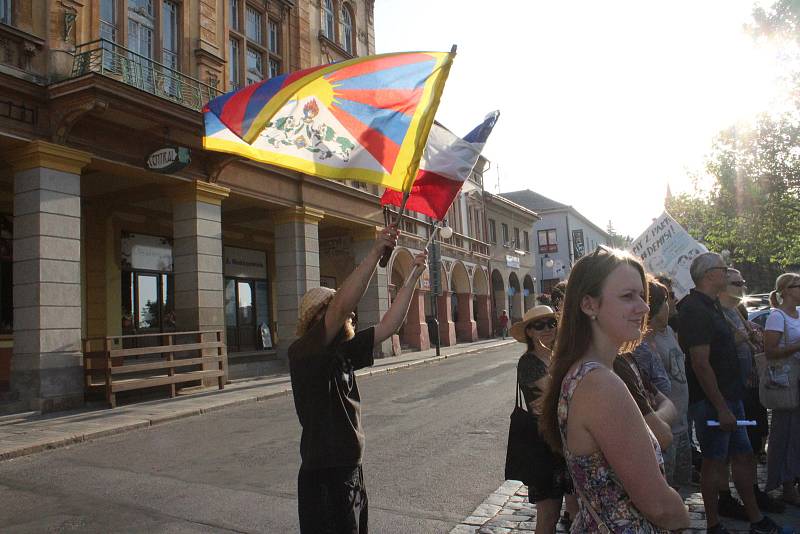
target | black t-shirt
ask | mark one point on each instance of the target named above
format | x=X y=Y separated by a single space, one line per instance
x=326 y=396
x=530 y=369
x=702 y=323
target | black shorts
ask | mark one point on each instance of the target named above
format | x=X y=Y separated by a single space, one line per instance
x=550 y=477
x=332 y=501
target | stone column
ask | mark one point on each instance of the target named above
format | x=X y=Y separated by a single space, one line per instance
x=375 y=302
x=197 y=257
x=484 y=316
x=296 y=266
x=416 y=328
x=47 y=363
x=466 y=329
x=447 y=328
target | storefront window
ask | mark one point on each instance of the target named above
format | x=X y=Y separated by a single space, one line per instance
x=246 y=297
x=147 y=302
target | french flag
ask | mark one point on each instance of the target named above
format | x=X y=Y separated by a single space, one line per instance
x=446 y=164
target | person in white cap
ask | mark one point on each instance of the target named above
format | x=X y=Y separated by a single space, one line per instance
x=322 y=362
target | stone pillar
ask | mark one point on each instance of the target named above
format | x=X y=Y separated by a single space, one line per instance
x=47 y=363
x=484 y=316
x=466 y=329
x=375 y=302
x=416 y=329
x=296 y=266
x=447 y=328
x=197 y=258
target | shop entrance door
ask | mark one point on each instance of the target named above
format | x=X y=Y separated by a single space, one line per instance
x=246 y=310
x=147 y=302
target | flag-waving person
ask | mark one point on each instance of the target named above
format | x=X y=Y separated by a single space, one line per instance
x=330 y=486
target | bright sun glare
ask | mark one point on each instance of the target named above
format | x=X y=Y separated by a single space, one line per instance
x=602 y=104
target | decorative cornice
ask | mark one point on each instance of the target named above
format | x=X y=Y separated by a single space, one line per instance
x=48 y=155
x=302 y=214
x=366 y=233
x=199 y=191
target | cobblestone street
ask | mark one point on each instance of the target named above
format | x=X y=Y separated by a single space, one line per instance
x=507 y=511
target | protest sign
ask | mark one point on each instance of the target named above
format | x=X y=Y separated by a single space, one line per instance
x=665 y=247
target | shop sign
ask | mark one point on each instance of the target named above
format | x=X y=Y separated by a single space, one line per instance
x=146 y=252
x=512 y=261
x=168 y=159
x=244 y=263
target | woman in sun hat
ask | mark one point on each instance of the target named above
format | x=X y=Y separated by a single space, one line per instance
x=537 y=330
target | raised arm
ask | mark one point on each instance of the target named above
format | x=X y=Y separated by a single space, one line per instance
x=354 y=286
x=397 y=312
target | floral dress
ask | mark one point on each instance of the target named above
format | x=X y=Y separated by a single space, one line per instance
x=595 y=481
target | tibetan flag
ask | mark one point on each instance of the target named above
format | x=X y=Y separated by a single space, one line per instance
x=364 y=119
x=445 y=166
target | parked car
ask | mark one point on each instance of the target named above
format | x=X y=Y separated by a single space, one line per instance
x=759 y=301
x=759 y=316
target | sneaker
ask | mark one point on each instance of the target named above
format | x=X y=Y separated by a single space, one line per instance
x=767 y=503
x=765 y=526
x=729 y=506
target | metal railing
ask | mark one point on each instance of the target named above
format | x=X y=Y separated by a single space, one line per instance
x=114 y=61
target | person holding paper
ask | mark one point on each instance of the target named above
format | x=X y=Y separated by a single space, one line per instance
x=716 y=390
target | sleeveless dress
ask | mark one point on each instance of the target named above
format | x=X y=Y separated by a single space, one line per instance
x=596 y=480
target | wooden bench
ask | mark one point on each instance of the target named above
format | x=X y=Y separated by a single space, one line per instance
x=108 y=366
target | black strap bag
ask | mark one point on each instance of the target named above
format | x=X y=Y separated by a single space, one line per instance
x=523 y=433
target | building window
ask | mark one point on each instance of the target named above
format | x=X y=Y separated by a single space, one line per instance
x=234 y=14
x=108 y=19
x=255 y=66
x=257 y=51
x=504 y=227
x=253 y=23
x=147 y=302
x=233 y=64
x=273 y=37
x=169 y=34
x=328 y=19
x=492 y=231
x=347 y=29
x=517 y=242
x=274 y=68
x=547 y=241
x=527 y=239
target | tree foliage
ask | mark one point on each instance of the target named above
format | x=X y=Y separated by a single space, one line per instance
x=753 y=208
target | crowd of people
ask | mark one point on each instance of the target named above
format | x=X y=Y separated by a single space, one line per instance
x=637 y=395
x=622 y=384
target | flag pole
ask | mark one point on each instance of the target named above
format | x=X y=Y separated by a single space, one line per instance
x=387 y=253
x=427 y=244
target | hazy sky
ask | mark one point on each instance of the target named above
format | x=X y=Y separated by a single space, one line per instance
x=602 y=103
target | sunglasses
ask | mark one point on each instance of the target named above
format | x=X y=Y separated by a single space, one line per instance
x=794 y=285
x=716 y=268
x=544 y=323
x=738 y=283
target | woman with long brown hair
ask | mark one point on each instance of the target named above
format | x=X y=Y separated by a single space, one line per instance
x=613 y=458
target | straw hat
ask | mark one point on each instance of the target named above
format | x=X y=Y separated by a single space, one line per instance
x=537 y=312
x=313 y=301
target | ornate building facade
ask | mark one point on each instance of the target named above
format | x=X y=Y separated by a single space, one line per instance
x=114 y=221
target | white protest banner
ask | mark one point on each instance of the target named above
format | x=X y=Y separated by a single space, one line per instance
x=665 y=247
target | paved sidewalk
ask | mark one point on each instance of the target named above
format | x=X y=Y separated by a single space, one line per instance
x=25 y=434
x=507 y=510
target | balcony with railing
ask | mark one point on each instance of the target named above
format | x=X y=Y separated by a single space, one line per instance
x=114 y=61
